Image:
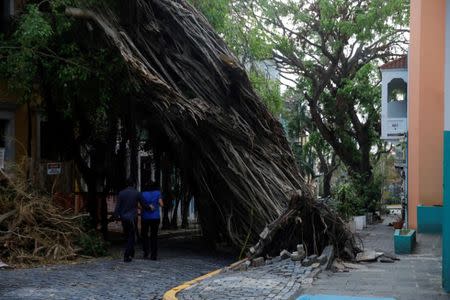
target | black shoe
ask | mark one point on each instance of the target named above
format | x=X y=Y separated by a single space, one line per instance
x=145 y=257
x=127 y=259
x=153 y=258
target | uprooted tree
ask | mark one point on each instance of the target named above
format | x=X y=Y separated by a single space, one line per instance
x=200 y=108
x=206 y=112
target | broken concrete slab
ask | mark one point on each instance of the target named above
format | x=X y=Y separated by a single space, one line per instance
x=338 y=266
x=285 y=254
x=258 y=262
x=308 y=261
x=354 y=266
x=315 y=265
x=313 y=258
x=368 y=255
x=301 y=250
x=243 y=267
x=327 y=256
x=295 y=256
x=314 y=273
x=276 y=259
x=383 y=259
x=391 y=256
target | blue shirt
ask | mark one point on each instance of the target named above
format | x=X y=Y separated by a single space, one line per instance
x=151 y=198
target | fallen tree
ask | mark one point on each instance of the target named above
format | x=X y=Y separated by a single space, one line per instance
x=33 y=230
x=203 y=111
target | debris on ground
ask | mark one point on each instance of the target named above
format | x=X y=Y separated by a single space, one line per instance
x=368 y=255
x=285 y=254
x=295 y=256
x=4 y=266
x=327 y=256
x=258 y=262
x=33 y=230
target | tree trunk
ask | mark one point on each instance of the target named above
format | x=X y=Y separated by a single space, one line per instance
x=92 y=202
x=104 y=215
x=185 y=212
x=185 y=201
x=167 y=190
x=134 y=143
x=328 y=171
x=327 y=184
x=174 y=221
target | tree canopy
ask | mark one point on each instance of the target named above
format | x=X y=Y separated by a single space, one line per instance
x=331 y=49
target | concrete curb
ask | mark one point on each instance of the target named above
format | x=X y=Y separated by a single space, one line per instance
x=172 y=293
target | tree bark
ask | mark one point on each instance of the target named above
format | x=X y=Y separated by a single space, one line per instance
x=166 y=190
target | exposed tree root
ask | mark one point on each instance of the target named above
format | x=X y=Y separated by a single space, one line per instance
x=306 y=222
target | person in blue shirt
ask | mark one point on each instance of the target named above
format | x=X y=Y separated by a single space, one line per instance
x=150 y=219
x=126 y=211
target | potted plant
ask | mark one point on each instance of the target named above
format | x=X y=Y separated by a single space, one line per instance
x=360 y=222
x=404 y=241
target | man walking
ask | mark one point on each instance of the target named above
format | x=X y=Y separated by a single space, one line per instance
x=126 y=211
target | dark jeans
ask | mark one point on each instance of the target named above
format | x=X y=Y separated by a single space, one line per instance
x=153 y=225
x=129 y=231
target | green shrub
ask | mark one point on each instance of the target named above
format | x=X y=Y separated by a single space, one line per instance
x=92 y=244
x=90 y=241
x=348 y=202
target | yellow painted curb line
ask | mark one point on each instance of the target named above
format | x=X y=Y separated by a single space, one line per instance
x=172 y=293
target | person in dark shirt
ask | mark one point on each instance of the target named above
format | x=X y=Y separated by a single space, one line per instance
x=126 y=211
x=150 y=219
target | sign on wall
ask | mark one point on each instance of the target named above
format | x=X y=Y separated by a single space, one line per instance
x=394 y=128
x=54 y=168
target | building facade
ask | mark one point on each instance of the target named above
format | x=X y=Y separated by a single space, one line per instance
x=428 y=144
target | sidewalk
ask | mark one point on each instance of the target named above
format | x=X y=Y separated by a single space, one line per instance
x=415 y=276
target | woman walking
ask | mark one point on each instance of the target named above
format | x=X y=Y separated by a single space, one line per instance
x=150 y=219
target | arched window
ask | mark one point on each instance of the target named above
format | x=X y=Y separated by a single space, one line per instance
x=397 y=98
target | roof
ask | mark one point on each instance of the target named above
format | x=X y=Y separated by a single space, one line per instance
x=399 y=63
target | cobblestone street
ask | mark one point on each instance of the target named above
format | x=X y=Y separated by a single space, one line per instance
x=279 y=280
x=181 y=259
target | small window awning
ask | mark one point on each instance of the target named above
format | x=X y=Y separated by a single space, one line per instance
x=399 y=63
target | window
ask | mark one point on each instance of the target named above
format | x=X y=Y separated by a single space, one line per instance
x=397 y=98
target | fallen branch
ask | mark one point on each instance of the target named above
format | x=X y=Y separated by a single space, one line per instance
x=34 y=229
